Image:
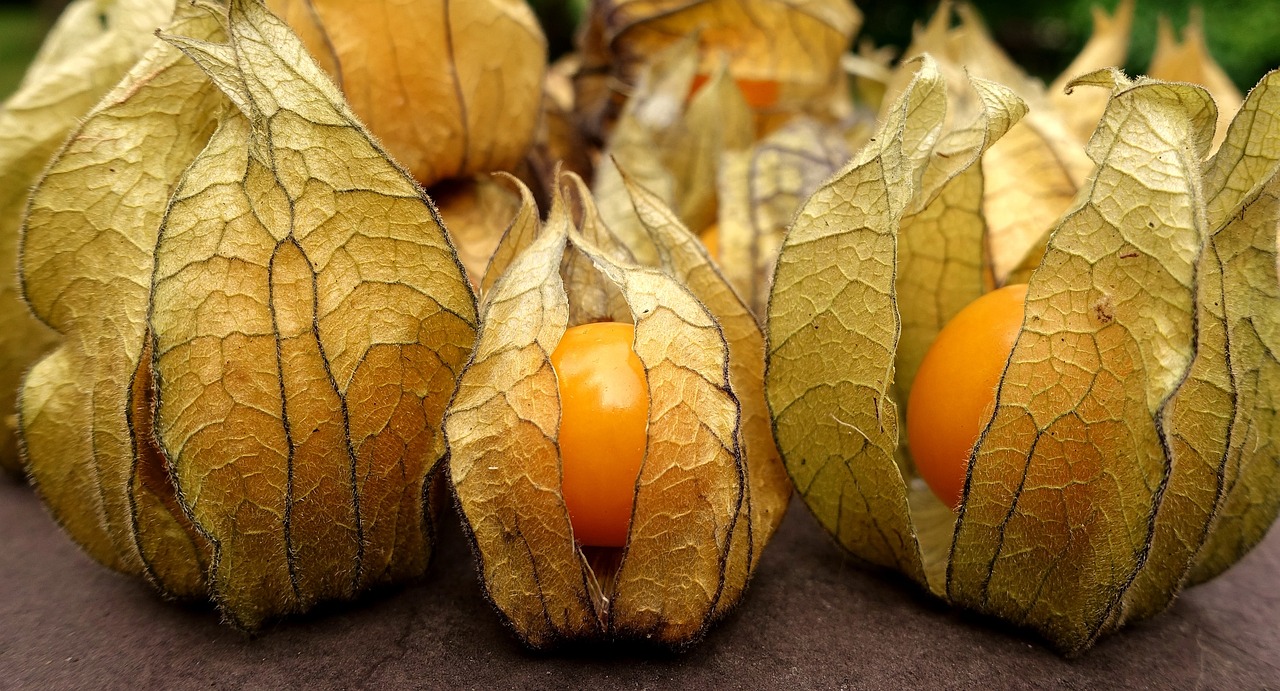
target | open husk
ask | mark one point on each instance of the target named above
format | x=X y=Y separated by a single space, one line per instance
x=1131 y=449
x=711 y=490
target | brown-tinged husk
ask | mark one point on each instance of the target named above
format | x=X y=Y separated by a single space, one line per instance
x=677 y=573
x=270 y=359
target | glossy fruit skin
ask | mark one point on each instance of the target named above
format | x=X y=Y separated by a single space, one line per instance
x=954 y=391
x=604 y=403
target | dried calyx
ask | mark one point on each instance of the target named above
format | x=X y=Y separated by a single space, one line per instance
x=269 y=360
x=1130 y=451
x=710 y=490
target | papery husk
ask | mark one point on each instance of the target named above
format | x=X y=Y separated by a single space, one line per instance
x=837 y=425
x=270 y=357
x=760 y=189
x=1034 y=172
x=681 y=569
x=87 y=259
x=1129 y=452
x=1108 y=46
x=791 y=45
x=560 y=144
x=1189 y=60
x=702 y=159
x=92 y=46
x=451 y=89
x=476 y=212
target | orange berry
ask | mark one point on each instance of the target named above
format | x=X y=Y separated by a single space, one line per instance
x=604 y=404
x=954 y=391
x=760 y=94
x=710 y=237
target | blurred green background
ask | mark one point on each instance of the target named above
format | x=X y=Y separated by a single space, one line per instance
x=1243 y=35
x=21 y=28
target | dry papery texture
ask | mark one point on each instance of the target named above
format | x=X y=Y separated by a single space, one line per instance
x=559 y=145
x=702 y=156
x=453 y=90
x=1132 y=446
x=790 y=48
x=90 y=48
x=456 y=92
x=739 y=184
x=1188 y=60
x=1034 y=174
x=1014 y=194
x=711 y=489
x=262 y=322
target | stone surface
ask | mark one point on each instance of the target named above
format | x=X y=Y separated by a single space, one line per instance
x=812 y=618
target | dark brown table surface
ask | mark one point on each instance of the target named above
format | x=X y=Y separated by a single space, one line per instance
x=810 y=619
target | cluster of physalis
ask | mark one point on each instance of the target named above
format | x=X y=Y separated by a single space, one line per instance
x=284 y=308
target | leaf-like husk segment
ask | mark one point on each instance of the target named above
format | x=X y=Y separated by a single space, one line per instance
x=942 y=265
x=1196 y=423
x=1190 y=61
x=691 y=484
x=91 y=47
x=833 y=333
x=793 y=44
x=1032 y=174
x=519 y=234
x=476 y=212
x=86 y=266
x=1064 y=485
x=1131 y=449
x=633 y=142
x=1108 y=46
x=1238 y=263
x=761 y=189
x=310 y=319
x=768 y=489
x=503 y=458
